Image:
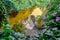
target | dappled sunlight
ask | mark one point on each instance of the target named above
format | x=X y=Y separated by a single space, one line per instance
x=29 y=19
x=37 y=11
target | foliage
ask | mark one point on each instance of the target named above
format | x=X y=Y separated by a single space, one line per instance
x=52 y=22
x=38 y=18
x=24 y=4
x=4 y=20
x=18 y=27
x=53 y=15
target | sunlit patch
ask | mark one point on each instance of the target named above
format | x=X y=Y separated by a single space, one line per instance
x=21 y=15
x=37 y=11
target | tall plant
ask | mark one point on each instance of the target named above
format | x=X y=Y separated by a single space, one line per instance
x=52 y=22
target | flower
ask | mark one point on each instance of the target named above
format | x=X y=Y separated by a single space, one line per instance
x=54 y=14
x=57 y=18
x=59 y=6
